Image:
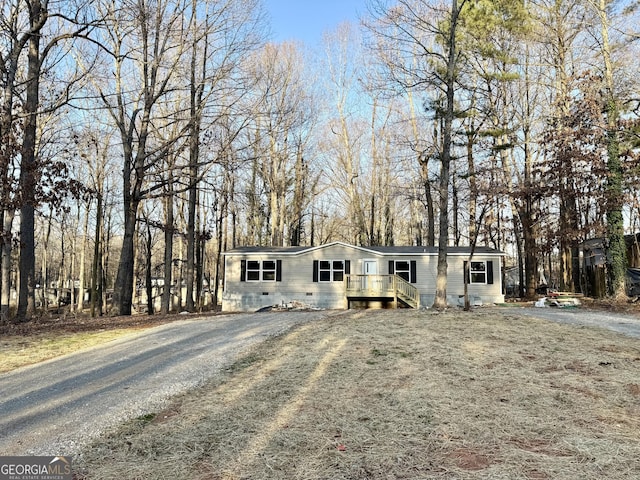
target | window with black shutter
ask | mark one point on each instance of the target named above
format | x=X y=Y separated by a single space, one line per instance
x=405 y=269
x=261 y=270
x=330 y=270
x=480 y=272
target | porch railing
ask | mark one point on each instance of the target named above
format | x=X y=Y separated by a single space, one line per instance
x=382 y=286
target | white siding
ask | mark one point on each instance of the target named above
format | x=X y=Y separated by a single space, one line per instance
x=297 y=278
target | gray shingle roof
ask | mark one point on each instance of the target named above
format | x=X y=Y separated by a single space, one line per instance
x=395 y=250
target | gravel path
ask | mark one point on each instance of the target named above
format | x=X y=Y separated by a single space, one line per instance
x=55 y=407
x=618 y=322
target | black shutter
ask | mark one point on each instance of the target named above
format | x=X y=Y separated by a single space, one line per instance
x=347 y=267
x=490 y=272
x=414 y=273
x=391 y=267
x=278 y=270
x=243 y=270
x=466 y=273
x=315 y=270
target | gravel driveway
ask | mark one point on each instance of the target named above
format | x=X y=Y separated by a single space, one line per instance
x=53 y=408
x=618 y=322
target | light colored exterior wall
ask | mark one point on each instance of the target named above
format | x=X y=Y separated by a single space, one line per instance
x=487 y=293
x=297 y=282
x=297 y=278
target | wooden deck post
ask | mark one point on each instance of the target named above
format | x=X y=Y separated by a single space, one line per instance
x=395 y=292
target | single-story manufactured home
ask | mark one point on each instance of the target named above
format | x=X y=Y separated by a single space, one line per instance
x=340 y=276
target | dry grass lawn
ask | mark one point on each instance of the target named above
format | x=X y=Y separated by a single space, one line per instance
x=50 y=336
x=21 y=350
x=401 y=395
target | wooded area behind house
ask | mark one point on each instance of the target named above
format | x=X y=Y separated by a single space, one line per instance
x=139 y=140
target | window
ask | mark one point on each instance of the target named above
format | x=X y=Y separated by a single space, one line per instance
x=261 y=270
x=269 y=271
x=253 y=271
x=481 y=273
x=403 y=269
x=478 y=272
x=330 y=270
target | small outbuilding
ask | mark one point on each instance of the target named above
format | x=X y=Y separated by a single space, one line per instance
x=593 y=263
x=341 y=276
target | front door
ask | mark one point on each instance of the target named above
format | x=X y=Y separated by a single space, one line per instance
x=369 y=267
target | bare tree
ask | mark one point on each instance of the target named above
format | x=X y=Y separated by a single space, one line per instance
x=422 y=29
x=13 y=41
x=34 y=32
x=146 y=43
x=505 y=95
x=222 y=34
x=282 y=121
x=94 y=147
x=347 y=130
x=616 y=247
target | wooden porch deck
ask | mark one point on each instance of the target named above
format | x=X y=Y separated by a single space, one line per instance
x=381 y=287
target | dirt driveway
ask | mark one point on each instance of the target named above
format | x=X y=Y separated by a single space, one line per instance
x=626 y=324
x=54 y=407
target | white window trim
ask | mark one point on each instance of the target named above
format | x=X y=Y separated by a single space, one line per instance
x=408 y=272
x=331 y=270
x=472 y=271
x=274 y=270
x=261 y=270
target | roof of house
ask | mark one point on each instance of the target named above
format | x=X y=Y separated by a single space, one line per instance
x=385 y=251
x=599 y=242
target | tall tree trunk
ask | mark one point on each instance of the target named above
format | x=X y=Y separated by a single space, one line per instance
x=168 y=251
x=9 y=150
x=298 y=199
x=473 y=182
x=191 y=236
x=148 y=269
x=133 y=178
x=455 y=210
x=431 y=214
x=73 y=263
x=96 y=267
x=105 y=255
x=218 y=260
x=83 y=250
x=26 y=293
x=530 y=253
x=179 y=280
x=200 y=245
x=616 y=247
x=423 y=160
x=567 y=192
x=123 y=288
x=194 y=153
x=45 y=272
x=5 y=304
x=447 y=145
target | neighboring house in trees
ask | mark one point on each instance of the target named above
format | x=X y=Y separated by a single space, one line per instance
x=339 y=276
x=593 y=262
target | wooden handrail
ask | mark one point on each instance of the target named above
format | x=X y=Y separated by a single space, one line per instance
x=407 y=292
x=359 y=285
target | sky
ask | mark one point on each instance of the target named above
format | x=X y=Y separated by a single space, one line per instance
x=307 y=20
